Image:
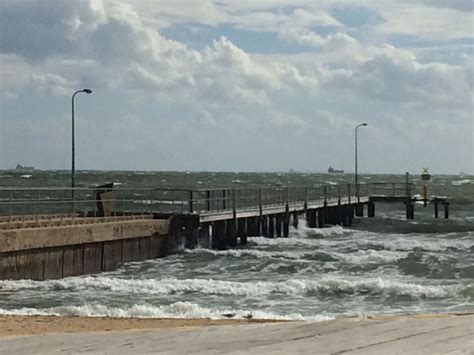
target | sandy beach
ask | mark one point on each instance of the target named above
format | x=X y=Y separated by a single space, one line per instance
x=13 y=325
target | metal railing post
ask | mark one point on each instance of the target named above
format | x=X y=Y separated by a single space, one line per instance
x=234 y=205
x=349 y=194
x=11 y=206
x=191 y=202
x=306 y=198
x=325 y=193
x=208 y=200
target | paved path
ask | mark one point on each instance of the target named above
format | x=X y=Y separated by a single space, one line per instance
x=390 y=335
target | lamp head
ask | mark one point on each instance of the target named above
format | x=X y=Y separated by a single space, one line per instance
x=364 y=124
x=87 y=91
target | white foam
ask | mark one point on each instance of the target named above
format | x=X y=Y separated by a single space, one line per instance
x=185 y=310
x=370 y=256
x=259 y=254
x=394 y=242
x=461 y=182
x=304 y=232
x=233 y=288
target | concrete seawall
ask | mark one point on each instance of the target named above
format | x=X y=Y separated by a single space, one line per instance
x=80 y=246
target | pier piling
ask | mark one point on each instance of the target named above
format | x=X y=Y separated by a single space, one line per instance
x=446 y=209
x=295 y=220
x=242 y=230
x=278 y=222
x=371 y=209
x=271 y=226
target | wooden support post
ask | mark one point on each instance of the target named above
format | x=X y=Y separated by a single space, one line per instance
x=359 y=209
x=231 y=233
x=205 y=240
x=264 y=225
x=371 y=209
x=328 y=215
x=278 y=221
x=339 y=207
x=410 y=209
x=286 y=225
x=436 y=203
x=271 y=226
x=242 y=230
x=446 y=209
x=250 y=227
x=335 y=216
x=295 y=220
x=311 y=218
x=218 y=235
x=321 y=217
x=345 y=216
x=191 y=237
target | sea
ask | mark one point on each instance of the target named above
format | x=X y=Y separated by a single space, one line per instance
x=382 y=265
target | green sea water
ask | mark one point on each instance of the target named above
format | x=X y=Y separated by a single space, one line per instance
x=381 y=265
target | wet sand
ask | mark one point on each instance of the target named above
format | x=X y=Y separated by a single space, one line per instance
x=38 y=325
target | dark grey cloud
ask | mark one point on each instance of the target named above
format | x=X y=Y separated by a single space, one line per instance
x=38 y=29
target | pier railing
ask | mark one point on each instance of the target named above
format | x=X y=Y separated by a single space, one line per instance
x=34 y=203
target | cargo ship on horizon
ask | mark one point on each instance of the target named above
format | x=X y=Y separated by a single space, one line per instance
x=331 y=170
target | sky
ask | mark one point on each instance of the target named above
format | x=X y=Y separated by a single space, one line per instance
x=230 y=85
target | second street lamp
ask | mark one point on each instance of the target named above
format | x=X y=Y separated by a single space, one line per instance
x=356 y=179
x=73 y=152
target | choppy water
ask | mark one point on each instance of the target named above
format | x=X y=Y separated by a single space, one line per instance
x=382 y=265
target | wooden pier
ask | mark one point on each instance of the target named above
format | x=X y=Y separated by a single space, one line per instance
x=54 y=233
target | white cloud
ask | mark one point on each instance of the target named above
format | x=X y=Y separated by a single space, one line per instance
x=221 y=90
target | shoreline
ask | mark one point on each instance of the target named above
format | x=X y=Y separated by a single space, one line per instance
x=29 y=325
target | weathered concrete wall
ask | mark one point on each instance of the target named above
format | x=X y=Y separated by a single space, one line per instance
x=56 y=252
x=46 y=237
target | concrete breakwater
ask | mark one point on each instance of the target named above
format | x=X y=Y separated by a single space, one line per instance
x=53 y=248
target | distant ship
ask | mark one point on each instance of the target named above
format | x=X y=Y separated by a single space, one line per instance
x=331 y=170
x=22 y=168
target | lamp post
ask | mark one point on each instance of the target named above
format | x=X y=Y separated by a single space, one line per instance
x=356 y=181
x=73 y=152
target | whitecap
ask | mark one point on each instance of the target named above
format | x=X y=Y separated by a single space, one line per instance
x=182 y=310
x=461 y=182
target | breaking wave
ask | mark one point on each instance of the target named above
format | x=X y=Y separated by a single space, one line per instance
x=326 y=285
x=358 y=257
x=181 y=310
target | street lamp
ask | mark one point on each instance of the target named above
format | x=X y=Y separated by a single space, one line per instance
x=356 y=127
x=73 y=152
